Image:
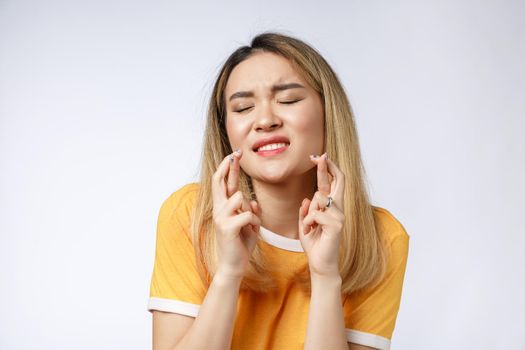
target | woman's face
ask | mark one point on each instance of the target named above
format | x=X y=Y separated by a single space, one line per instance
x=274 y=117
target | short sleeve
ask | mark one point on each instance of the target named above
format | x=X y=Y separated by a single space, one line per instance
x=370 y=315
x=175 y=284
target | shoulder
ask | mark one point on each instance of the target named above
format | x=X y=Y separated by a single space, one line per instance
x=389 y=225
x=180 y=201
x=185 y=193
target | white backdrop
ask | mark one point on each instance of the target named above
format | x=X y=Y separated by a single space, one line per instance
x=101 y=115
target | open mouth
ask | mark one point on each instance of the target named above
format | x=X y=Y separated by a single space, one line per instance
x=272 y=146
x=272 y=149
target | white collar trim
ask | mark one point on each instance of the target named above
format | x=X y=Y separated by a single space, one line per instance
x=279 y=241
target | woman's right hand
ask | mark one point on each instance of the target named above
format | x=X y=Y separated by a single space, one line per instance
x=235 y=219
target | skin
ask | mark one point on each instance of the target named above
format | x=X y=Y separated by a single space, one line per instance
x=281 y=182
x=284 y=185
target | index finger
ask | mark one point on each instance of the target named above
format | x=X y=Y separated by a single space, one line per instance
x=323 y=180
x=233 y=173
x=218 y=184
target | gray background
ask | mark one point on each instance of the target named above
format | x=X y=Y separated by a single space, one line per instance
x=101 y=115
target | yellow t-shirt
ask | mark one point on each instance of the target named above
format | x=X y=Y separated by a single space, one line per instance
x=276 y=320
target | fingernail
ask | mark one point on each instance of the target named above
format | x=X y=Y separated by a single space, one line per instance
x=314 y=156
x=325 y=156
x=231 y=158
x=238 y=151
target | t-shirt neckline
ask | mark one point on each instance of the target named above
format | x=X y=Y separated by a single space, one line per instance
x=279 y=241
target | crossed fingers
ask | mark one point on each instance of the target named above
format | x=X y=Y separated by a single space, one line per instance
x=330 y=193
x=225 y=185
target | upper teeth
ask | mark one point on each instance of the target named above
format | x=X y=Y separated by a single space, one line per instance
x=271 y=146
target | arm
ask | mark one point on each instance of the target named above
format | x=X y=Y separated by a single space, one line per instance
x=236 y=226
x=320 y=225
x=326 y=327
x=211 y=329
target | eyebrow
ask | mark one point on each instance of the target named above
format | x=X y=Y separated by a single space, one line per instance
x=275 y=88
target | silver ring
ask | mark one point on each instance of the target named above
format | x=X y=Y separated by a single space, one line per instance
x=329 y=203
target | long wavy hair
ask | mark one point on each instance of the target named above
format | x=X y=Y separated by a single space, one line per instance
x=363 y=254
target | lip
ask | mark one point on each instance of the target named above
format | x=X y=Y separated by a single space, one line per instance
x=272 y=152
x=268 y=140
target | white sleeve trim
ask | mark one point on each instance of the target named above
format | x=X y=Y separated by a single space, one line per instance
x=367 y=339
x=188 y=309
x=175 y=306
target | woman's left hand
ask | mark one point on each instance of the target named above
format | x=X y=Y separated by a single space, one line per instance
x=320 y=227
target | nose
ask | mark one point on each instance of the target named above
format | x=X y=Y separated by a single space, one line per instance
x=266 y=119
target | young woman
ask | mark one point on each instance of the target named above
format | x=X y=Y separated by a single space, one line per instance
x=277 y=246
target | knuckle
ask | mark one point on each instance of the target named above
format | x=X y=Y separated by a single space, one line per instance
x=238 y=196
x=219 y=225
x=247 y=215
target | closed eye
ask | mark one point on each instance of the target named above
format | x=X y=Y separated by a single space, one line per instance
x=289 y=102
x=242 y=110
x=283 y=102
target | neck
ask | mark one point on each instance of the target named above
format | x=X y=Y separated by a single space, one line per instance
x=280 y=202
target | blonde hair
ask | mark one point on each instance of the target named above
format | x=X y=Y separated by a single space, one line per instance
x=363 y=254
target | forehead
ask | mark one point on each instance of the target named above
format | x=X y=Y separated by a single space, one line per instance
x=260 y=71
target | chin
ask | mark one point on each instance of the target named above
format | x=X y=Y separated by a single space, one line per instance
x=276 y=175
x=269 y=174
x=272 y=179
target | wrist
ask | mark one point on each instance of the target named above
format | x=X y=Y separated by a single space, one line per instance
x=226 y=275
x=331 y=279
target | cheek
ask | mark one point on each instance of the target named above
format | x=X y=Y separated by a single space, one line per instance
x=236 y=130
x=310 y=123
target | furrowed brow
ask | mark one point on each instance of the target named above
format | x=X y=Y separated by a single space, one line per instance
x=281 y=87
x=275 y=88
